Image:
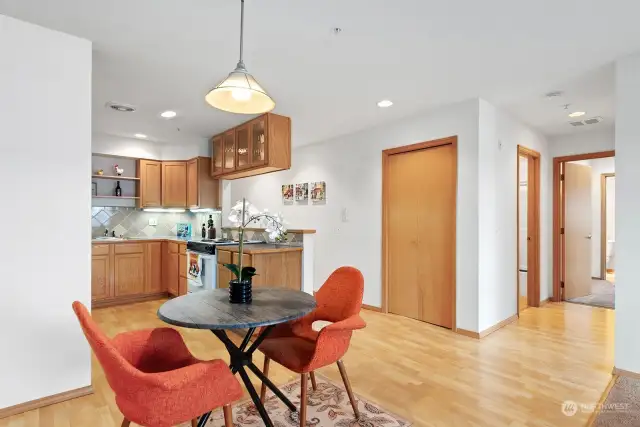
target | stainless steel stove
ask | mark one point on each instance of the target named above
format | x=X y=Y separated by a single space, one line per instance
x=208 y=246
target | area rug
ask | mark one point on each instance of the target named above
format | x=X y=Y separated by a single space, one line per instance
x=602 y=295
x=621 y=407
x=327 y=406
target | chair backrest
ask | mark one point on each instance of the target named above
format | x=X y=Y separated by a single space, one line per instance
x=340 y=296
x=117 y=369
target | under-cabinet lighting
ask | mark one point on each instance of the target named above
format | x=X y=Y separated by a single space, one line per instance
x=195 y=210
x=167 y=210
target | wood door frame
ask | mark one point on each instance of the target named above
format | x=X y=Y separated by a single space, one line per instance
x=533 y=199
x=603 y=223
x=451 y=140
x=558 y=214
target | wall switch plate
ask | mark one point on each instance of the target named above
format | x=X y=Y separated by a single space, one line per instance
x=153 y=221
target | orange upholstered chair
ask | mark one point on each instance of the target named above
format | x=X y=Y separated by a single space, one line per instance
x=298 y=347
x=157 y=382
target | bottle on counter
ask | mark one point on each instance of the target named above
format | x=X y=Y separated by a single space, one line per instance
x=204 y=232
x=212 y=228
x=118 y=189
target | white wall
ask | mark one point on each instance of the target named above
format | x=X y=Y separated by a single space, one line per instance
x=45 y=158
x=129 y=147
x=500 y=135
x=627 y=344
x=584 y=142
x=351 y=167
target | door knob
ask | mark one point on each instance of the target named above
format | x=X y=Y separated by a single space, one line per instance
x=589 y=236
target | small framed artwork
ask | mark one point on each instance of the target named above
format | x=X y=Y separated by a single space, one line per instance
x=287 y=193
x=94 y=188
x=302 y=192
x=318 y=192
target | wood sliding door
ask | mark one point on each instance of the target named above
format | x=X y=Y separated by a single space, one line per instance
x=419 y=226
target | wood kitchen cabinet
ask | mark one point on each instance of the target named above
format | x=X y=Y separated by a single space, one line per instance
x=126 y=272
x=174 y=184
x=229 y=155
x=101 y=284
x=149 y=185
x=203 y=191
x=153 y=269
x=217 y=155
x=276 y=266
x=172 y=270
x=259 y=146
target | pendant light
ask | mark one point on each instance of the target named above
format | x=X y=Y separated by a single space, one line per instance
x=240 y=92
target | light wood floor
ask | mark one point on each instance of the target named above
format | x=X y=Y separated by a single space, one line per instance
x=517 y=376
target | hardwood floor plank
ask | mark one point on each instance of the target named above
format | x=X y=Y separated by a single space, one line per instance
x=516 y=377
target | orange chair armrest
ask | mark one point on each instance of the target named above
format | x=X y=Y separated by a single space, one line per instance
x=349 y=324
x=192 y=377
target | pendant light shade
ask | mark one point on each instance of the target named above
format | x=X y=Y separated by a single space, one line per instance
x=240 y=92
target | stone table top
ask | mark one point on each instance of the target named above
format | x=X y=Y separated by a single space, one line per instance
x=212 y=310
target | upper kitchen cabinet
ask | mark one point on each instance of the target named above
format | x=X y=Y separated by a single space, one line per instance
x=259 y=146
x=174 y=184
x=217 y=155
x=229 y=159
x=150 y=183
x=203 y=191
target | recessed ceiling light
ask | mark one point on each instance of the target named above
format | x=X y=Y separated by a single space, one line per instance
x=385 y=103
x=122 y=108
x=140 y=136
x=554 y=94
x=577 y=114
x=168 y=114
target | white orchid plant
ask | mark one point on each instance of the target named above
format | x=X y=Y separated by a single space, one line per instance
x=241 y=216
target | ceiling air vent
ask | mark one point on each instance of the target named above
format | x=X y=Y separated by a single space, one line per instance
x=593 y=120
x=122 y=108
x=576 y=123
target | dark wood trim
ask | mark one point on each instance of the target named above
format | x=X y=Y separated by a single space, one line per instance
x=558 y=214
x=623 y=373
x=533 y=217
x=372 y=308
x=45 y=401
x=603 y=224
x=451 y=140
x=128 y=300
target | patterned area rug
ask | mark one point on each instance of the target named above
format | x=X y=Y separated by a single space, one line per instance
x=602 y=295
x=621 y=406
x=327 y=406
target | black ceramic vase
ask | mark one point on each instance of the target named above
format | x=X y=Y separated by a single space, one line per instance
x=240 y=292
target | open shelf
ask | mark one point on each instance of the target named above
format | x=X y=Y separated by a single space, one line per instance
x=119 y=178
x=115 y=197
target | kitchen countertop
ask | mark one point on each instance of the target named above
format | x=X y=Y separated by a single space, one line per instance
x=261 y=248
x=148 y=239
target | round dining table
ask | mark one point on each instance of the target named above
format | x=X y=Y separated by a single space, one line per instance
x=212 y=310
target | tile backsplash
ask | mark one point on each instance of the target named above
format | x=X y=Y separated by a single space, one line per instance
x=132 y=222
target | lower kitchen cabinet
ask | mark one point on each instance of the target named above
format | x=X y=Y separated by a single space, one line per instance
x=101 y=285
x=128 y=274
x=275 y=268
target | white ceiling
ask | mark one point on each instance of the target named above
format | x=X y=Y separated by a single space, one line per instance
x=166 y=54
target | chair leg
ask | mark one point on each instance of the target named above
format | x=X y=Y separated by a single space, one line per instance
x=303 y=400
x=314 y=386
x=228 y=415
x=347 y=385
x=125 y=423
x=265 y=371
x=194 y=422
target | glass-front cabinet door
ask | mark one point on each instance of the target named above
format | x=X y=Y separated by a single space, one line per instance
x=242 y=147
x=258 y=141
x=218 y=154
x=229 y=164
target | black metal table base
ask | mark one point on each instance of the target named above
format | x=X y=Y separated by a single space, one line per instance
x=241 y=358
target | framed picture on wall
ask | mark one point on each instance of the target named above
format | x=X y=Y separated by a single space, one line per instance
x=287 y=193
x=318 y=191
x=302 y=192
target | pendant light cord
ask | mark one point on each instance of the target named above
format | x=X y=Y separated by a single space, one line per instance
x=241 y=28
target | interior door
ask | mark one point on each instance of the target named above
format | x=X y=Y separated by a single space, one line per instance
x=421 y=190
x=577 y=230
x=523 y=243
